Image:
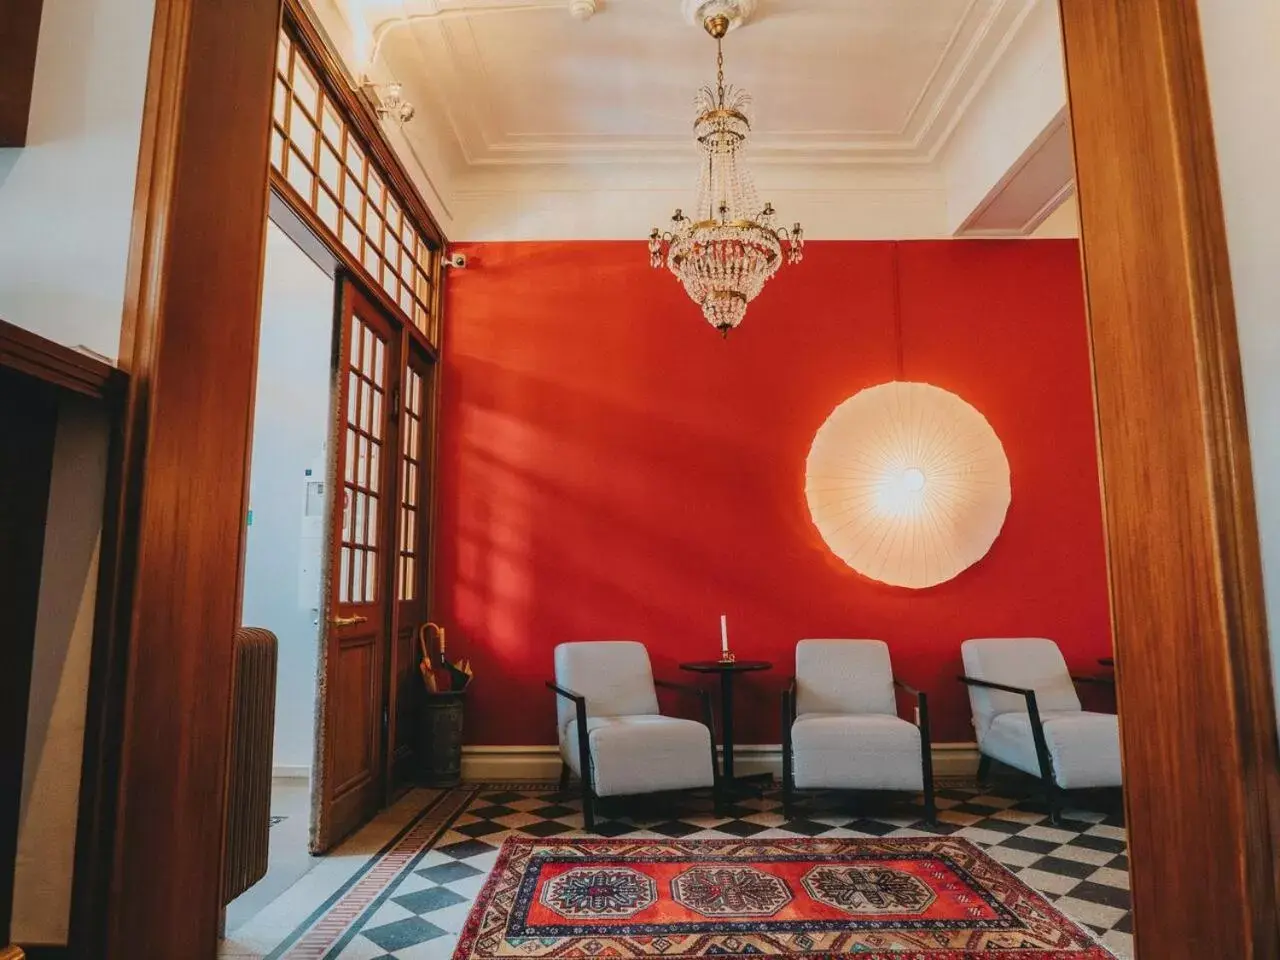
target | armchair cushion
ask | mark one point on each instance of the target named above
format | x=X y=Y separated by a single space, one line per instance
x=614 y=675
x=642 y=754
x=844 y=676
x=1028 y=662
x=1084 y=748
x=856 y=752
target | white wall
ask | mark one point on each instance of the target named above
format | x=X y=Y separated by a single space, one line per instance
x=1021 y=100
x=1244 y=89
x=60 y=677
x=885 y=204
x=291 y=419
x=66 y=199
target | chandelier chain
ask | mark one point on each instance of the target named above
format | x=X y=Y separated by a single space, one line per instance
x=719 y=73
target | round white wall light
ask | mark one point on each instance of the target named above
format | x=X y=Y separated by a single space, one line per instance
x=908 y=484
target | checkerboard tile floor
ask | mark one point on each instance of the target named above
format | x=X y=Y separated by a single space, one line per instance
x=1081 y=866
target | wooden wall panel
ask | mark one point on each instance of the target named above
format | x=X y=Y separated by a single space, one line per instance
x=1196 y=708
x=19 y=36
x=190 y=342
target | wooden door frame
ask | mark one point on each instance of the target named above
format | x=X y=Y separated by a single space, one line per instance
x=149 y=852
x=1197 y=713
x=1199 y=732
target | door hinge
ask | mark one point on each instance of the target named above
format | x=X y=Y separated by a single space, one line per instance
x=395 y=401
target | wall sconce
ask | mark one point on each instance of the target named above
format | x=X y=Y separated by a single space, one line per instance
x=388 y=100
x=907 y=484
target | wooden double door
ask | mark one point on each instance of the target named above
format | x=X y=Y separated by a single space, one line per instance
x=375 y=598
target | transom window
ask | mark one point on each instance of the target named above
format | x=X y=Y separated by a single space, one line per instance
x=322 y=161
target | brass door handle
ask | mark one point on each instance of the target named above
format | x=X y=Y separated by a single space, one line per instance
x=347 y=621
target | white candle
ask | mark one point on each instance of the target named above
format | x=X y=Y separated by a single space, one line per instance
x=724 y=634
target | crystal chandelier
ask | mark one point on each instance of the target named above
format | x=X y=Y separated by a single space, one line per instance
x=726 y=253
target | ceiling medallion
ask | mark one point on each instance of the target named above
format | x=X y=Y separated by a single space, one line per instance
x=697 y=12
x=726 y=253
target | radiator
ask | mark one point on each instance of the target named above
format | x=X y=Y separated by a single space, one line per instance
x=253 y=707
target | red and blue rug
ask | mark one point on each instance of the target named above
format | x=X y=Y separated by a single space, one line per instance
x=934 y=898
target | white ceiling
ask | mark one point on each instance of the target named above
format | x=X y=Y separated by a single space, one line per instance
x=523 y=107
x=832 y=80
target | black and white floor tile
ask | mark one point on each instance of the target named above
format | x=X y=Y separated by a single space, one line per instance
x=1081 y=865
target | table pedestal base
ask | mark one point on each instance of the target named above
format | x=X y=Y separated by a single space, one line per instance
x=730 y=786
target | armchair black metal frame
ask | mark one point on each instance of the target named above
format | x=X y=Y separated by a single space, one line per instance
x=926 y=748
x=589 y=797
x=1052 y=792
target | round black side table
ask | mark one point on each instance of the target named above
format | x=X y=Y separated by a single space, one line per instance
x=728 y=669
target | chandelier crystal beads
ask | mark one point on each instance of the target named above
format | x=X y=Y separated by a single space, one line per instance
x=726 y=253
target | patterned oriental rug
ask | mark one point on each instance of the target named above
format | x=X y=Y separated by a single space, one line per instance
x=888 y=899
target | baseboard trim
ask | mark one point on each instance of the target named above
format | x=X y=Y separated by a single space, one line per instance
x=515 y=763
x=955 y=760
x=291 y=773
x=510 y=763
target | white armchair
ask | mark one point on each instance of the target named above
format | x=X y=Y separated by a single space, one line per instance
x=840 y=724
x=607 y=688
x=1027 y=715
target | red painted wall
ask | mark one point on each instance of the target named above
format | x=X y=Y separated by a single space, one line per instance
x=611 y=468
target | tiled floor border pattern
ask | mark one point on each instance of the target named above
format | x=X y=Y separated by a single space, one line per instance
x=335 y=918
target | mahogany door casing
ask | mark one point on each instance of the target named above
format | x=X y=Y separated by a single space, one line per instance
x=354 y=703
x=416 y=443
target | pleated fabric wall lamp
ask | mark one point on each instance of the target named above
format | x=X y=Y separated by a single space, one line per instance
x=906 y=482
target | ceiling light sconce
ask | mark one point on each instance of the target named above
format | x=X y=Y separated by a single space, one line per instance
x=388 y=100
x=583 y=9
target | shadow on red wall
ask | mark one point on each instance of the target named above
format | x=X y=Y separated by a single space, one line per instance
x=611 y=468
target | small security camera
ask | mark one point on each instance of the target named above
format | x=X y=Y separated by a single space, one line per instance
x=456 y=260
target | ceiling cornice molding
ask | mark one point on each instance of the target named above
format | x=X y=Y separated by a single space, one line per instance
x=935 y=117
x=526 y=174
x=1004 y=42
x=971 y=52
x=415 y=11
x=920 y=114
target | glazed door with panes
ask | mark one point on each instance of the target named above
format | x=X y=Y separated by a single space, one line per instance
x=417 y=423
x=354 y=702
